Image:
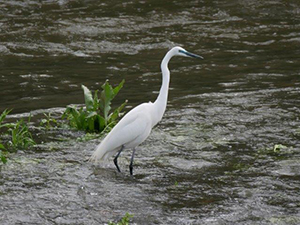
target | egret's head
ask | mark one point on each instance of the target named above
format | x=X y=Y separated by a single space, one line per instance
x=182 y=52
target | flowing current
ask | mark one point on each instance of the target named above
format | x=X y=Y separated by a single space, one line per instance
x=228 y=148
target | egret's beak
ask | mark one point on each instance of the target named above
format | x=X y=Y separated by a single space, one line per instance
x=193 y=55
x=189 y=54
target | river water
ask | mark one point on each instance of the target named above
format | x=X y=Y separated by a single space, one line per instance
x=212 y=159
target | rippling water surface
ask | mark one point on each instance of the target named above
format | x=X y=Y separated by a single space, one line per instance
x=211 y=160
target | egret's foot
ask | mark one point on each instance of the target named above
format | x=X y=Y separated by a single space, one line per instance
x=116 y=164
x=131 y=169
x=131 y=162
x=116 y=158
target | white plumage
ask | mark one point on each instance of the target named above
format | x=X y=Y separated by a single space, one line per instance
x=131 y=131
x=137 y=124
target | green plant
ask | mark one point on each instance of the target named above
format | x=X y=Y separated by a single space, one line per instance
x=2 y=117
x=3 y=153
x=48 y=121
x=123 y=221
x=20 y=135
x=95 y=116
x=3 y=157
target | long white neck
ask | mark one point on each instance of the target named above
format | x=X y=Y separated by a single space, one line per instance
x=161 y=102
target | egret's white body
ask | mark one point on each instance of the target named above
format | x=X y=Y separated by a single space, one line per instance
x=137 y=124
x=131 y=131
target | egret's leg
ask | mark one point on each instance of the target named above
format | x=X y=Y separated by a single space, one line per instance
x=131 y=162
x=116 y=158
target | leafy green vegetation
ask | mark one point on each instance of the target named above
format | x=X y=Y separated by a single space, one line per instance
x=2 y=118
x=18 y=134
x=123 y=221
x=96 y=115
x=3 y=152
x=48 y=121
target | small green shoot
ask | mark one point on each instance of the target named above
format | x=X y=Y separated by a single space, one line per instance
x=95 y=116
x=48 y=121
x=3 y=154
x=124 y=221
x=2 y=118
x=20 y=135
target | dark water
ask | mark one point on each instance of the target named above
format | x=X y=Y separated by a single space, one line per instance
x=210 y=160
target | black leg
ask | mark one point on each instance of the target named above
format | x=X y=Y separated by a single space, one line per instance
x=131 y=162
x=116 y=158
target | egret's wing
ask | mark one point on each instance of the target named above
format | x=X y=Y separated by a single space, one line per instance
x=132 y=126
x=128 y=132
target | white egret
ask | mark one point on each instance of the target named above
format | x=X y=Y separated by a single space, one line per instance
x=137 y=124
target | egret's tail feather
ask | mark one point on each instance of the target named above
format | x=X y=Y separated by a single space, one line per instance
x=98 y=154
x=101 y=153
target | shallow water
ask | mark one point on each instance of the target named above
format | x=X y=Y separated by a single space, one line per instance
x=209 y=161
